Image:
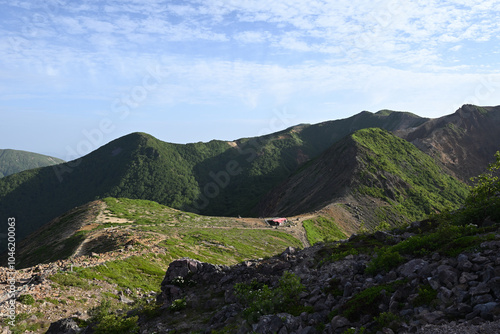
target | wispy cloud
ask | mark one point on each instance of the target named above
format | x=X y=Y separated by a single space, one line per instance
x=247 y=55
x=322 y=27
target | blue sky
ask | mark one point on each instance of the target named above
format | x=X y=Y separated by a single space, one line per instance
x=75 y=75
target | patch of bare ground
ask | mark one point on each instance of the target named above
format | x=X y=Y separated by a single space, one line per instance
x=105 y=216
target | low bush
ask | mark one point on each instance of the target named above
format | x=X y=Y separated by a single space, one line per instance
x=259 y=299
x=26 y=299
x=105 y=321
x=426 y=296
x=484 y=198
x=367 y=301
x=178 y=305
x=388 y=320
x=385 y=261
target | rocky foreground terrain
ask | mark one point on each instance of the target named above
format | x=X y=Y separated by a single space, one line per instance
x=352 y=286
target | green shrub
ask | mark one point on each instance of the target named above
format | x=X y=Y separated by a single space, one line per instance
x=383 y=226
x=484 y=198
x=358 y=244
x=367 y=301
x=98 y=312
x=459 y=245
x=178 y=305
x=426 y=296
x=26 y=299
x=71 y=279
x=259 y=299
x=21 y=326
x=52 y=300
x=115 y=324
x=419 y=245
x=105 y=321
x=386 y=260
x=387 y=320
x=109 y=295
x=353 y=330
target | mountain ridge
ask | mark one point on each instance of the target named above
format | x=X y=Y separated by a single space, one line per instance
x=112 y=224
x=15 y=161
x=213 y=178
x=449 y=139
x=372 y=166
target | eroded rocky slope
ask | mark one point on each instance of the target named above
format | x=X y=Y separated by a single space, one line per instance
x=464 y=142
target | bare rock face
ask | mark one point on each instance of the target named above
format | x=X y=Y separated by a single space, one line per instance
x=182 y=268
x=64 y=326
x=414 y=268
x=177 y=276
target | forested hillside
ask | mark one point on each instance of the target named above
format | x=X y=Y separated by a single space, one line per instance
x=15 y=161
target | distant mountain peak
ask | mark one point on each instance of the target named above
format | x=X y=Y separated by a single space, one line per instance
x=15 y=161
x=387 y=112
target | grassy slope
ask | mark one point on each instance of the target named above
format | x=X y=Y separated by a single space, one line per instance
x=322 y=229
x=209 y=239
x=400 y=174
x=15 y=161
x=213 y=239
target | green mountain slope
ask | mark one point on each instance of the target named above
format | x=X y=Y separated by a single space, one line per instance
x=388 y=177
x=268 y=160
x=398 y=173
x=110 y=225
x=15 y=161
x=214 y=178
x=136 y=166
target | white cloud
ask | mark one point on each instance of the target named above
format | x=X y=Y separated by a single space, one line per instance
x=250 y=37
x=332 y=45
x=384 y=29
x=71 y=25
